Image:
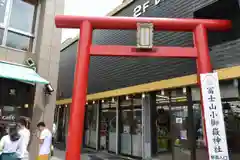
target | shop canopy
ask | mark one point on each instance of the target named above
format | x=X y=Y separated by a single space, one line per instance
x=20 y=73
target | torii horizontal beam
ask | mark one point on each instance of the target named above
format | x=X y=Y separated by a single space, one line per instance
x=129 y=23
x=132 y=51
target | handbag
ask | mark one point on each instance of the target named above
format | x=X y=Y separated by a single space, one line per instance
x=9 y=156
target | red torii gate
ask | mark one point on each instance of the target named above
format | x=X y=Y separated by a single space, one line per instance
x=200 y=51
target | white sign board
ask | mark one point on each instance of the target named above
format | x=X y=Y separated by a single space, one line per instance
x=214 y=120
x=179 y=120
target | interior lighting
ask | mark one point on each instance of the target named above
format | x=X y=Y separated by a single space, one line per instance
x=162 y=92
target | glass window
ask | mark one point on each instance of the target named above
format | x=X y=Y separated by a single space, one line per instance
x=131 y=126
x=18 y=41
x=2 y=10
x=92 y=116
x=27 y=14
x=127 y=120
x=231 y=111
x=21 y=16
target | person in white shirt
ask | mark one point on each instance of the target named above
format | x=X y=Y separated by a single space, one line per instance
x=11 y=145
x=45 y=141
x=25 y=136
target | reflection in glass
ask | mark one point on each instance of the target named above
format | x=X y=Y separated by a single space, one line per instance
x=131 y=126
x=126 y=120
x=112 y=130
x=1 y=35
x=163 y=127
x=162 y=122
x=103 y=129
x=126 y=137
x=2 y=10
x=18 y=41
x=201 y=150
x=137 y=121
x=200 y=143
x=92 y=123
x=22 y=16
x=137 y=133
x=86 y=126
x=231 y=111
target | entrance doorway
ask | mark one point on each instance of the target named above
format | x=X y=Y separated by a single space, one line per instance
x=174 y=125
x=108 y=133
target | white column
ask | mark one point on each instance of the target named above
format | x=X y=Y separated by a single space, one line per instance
x=146 y=127
x=98 y=124
x=117 y=128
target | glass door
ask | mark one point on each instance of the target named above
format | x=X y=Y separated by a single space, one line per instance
x=131 y=126
x=112 y=136
x=108 y=134
x=174 y=125
x=104 y=125
x=180 y=133
x=163 y=129
x=91 y=132
x=162 y=119
x=182 y=125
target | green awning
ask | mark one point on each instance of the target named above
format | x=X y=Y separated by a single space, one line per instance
x=20 y=73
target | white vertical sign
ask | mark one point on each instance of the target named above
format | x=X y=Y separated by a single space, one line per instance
x=214 y=120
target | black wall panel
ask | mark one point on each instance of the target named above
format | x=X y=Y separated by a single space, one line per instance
x=107 y=73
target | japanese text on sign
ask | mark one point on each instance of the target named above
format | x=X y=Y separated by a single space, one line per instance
x=214 y=120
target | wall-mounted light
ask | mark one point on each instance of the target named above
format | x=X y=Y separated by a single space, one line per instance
x=143 y=95
x=30 y=62
x=113 y=100
x=103 y=101
x=144 y=35
x=86 y=103
x=25 y=105
x=93 y=102
x=66 y=105
x=127 y=97
x=184 y=90
x=49 y=89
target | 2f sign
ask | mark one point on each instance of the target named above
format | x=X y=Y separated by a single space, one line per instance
x=142 y=8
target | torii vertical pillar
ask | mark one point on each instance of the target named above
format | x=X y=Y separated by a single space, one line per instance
x=200 y=52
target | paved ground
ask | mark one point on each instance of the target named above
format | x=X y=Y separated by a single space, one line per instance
x=88 y=154
x=60 y=155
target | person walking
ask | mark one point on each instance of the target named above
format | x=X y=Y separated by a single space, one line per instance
x=25 y=136
x=11 y=145
x=45 y=141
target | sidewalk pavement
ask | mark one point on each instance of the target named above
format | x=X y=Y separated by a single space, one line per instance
x=60 y=155
x=88 y=155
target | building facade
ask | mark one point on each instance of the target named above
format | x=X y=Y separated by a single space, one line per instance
x=150 y=107
x=29 y=44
